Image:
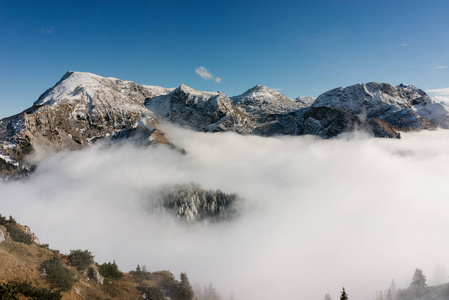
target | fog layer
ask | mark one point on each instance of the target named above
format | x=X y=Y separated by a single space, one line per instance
x=318 y=214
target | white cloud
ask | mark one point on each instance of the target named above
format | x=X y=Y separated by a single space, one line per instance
x=440 y=67
x=48 y=30
x=323 y=215
x=405 y=45
x=439 y=95
x=439 y=92
x=206 y=75
x=444 y=99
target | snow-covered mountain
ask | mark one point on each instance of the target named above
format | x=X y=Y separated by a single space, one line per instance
x=401 y=106
x=79 y=109
x=261 y=101
x=306 y=101
x=84 y=107
x=203 y=111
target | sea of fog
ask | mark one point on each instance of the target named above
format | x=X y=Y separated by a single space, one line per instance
x=318 y=214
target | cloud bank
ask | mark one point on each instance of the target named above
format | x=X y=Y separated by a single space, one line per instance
x=318 y=215
x=205 y=74
x=440 y=95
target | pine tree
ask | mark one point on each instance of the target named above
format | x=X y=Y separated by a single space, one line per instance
x=327 y=297
x=210 y=293
x=391 y=291
x=389 y=295
x=185 y=291
x=419 y=280
x=344 y=295
x=380 y=296
x=393 y=286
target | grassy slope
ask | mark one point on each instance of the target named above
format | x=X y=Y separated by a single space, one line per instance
x=20 y=262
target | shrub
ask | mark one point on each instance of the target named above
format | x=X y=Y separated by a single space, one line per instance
x=28 y=290
x=141 y=274
x=3 y=220
x=110 y=270
x=8 y=292
x=16 y=234
x=152 y=293
x=57 y=275
x=179 y=290
x=80 y=259
x=45 y=246
x=19 y=235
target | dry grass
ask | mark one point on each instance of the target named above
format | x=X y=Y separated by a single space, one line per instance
x=20 y=262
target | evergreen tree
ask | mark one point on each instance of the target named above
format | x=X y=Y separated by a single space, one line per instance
x=389 y=295
x=327 y=297
x=393 y=287
x=210 y=293
x=419 y=280
x=344 y=295
x=185 y=291
x=380 y=296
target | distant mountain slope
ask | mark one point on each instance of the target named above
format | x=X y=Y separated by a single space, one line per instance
x=84 y=107
x=400 y=106
x=201 y=111
x=261 y=101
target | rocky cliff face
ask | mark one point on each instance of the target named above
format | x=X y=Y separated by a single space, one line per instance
x=84 y=107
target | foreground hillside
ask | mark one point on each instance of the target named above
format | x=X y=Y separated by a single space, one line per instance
x=29 y=270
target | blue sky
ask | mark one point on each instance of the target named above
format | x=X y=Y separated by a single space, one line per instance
x=301 y=47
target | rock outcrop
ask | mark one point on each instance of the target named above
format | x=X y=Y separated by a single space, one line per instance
x=3 y=234
x=92 y=272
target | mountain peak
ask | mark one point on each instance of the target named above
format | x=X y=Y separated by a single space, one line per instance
x=195 y=93
x=261 y=89
x=71 y=84
x=262 y=100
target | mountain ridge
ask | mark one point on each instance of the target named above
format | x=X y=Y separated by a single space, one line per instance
x=83 y=107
